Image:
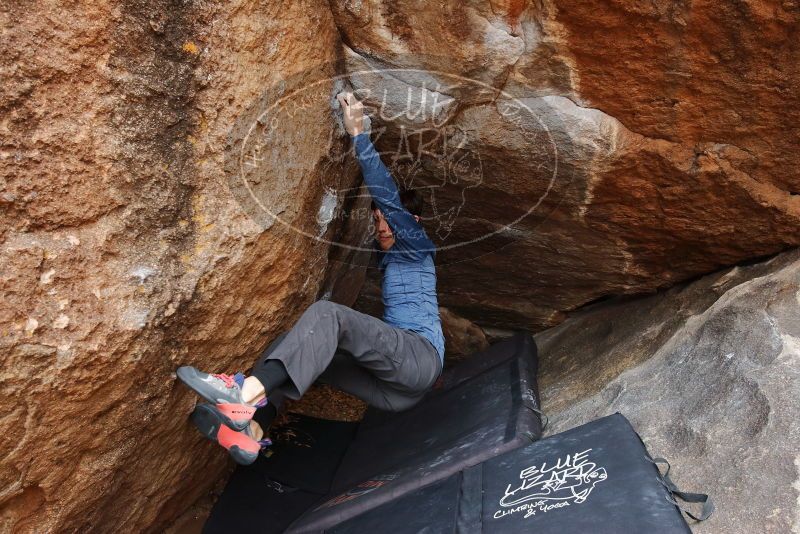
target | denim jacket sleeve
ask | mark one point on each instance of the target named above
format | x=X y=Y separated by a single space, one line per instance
x=411 y=242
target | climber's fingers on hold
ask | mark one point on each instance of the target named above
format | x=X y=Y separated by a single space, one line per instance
x=344 y=99
x=349 y=102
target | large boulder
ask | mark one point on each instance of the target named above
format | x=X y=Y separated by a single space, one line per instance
x=157 y=209
x=574 y=150
x=128 y=248
x=708 y=372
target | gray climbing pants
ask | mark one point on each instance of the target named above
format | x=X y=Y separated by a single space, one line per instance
x=387 y=367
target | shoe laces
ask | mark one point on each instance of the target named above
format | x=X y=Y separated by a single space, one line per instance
x=229 y=380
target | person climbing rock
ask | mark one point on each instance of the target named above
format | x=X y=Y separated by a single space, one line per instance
x=388 y=363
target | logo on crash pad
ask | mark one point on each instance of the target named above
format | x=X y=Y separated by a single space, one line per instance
x=547 y=486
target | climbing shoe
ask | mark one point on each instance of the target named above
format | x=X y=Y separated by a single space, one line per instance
x=225 y=391
x=241 y=445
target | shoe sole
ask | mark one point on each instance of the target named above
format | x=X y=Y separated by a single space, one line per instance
x=185 y=375
x=208 y=421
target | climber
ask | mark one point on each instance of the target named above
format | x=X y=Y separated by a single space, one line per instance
x=388 y=363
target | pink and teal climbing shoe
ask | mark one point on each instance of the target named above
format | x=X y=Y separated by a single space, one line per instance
x=225 y=391
x=241 y=445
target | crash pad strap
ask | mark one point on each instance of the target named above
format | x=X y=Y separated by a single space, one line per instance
x=685 y=496
x=470 y=500
x=542 y=417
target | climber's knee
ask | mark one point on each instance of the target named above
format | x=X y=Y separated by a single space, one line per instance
x=400 y=403
x=321 y=307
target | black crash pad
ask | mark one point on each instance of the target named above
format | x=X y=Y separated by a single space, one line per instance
x=267 y=496
x=596 y=478
x=434 y=509
x=481 y=408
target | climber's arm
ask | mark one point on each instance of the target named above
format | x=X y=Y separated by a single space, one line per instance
x=407 y=231
x=384 y=192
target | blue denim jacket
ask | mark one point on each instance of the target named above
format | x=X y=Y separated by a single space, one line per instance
x=409 y=274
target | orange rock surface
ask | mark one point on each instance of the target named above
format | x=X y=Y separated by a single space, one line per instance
x=570 y=151
x=126 y=252
x=660 y=140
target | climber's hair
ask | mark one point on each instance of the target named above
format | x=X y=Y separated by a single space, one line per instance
x=411 y=199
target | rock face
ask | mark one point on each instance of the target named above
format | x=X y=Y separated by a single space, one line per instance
x=172 y=177
x=126 y=251
x=586 y=150
x=708 y=374
x=462 y=337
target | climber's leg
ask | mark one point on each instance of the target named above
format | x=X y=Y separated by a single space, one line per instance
x=272 y=374
x=402 y=361
x=265 y=416
x=225 y=392
x=243 y=445
x=345 y=374
x=236 y=397
x=256 y=431
x=402 y=364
